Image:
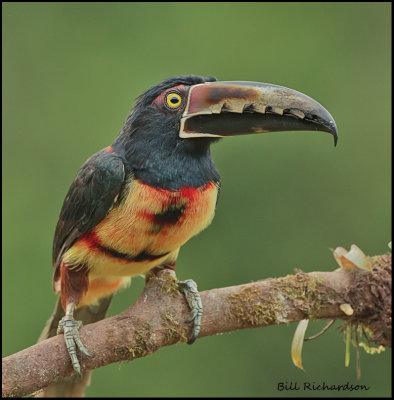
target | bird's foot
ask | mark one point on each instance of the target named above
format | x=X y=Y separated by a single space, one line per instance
x=189 y=288
x=70 y=327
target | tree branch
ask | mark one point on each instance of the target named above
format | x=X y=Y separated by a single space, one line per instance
x=157 y=319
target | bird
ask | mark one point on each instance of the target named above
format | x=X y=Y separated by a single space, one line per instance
x=133 y=204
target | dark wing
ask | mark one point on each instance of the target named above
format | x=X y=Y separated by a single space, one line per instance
x=90 y=197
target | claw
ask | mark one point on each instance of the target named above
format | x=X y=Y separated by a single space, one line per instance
x=189 y=288
x=70 y=327
x=193 y=317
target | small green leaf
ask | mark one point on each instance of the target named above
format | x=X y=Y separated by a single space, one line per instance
x=372 y=350
x=347 y=351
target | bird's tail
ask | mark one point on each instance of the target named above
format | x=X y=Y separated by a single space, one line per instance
x=73 y=386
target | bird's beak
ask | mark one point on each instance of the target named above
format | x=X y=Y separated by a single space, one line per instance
x=219 y=109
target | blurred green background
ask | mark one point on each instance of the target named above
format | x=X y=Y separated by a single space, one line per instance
x=70 y=75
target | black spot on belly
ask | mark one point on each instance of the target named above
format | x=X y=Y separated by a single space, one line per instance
x=143 y=256
x=169 y=216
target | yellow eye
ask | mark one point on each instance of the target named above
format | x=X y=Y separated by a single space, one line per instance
x=173 y=100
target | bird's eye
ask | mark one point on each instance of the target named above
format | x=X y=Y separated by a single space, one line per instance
x=173 y=100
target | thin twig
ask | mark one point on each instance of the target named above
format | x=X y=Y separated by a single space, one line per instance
x=321 y=332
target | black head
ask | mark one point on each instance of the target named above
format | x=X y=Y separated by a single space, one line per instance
x=160 y=108
x=150 y=137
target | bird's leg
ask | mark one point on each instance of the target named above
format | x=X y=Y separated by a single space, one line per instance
x=70 y=327
x=189 y=288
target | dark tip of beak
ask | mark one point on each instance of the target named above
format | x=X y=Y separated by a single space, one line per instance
x=332 y=128
x=335 y=137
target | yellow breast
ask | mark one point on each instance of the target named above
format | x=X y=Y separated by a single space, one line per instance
x=145 y=229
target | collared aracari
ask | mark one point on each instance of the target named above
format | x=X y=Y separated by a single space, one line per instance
x=133 y=204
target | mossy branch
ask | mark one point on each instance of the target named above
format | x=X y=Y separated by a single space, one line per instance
x=157 y=319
